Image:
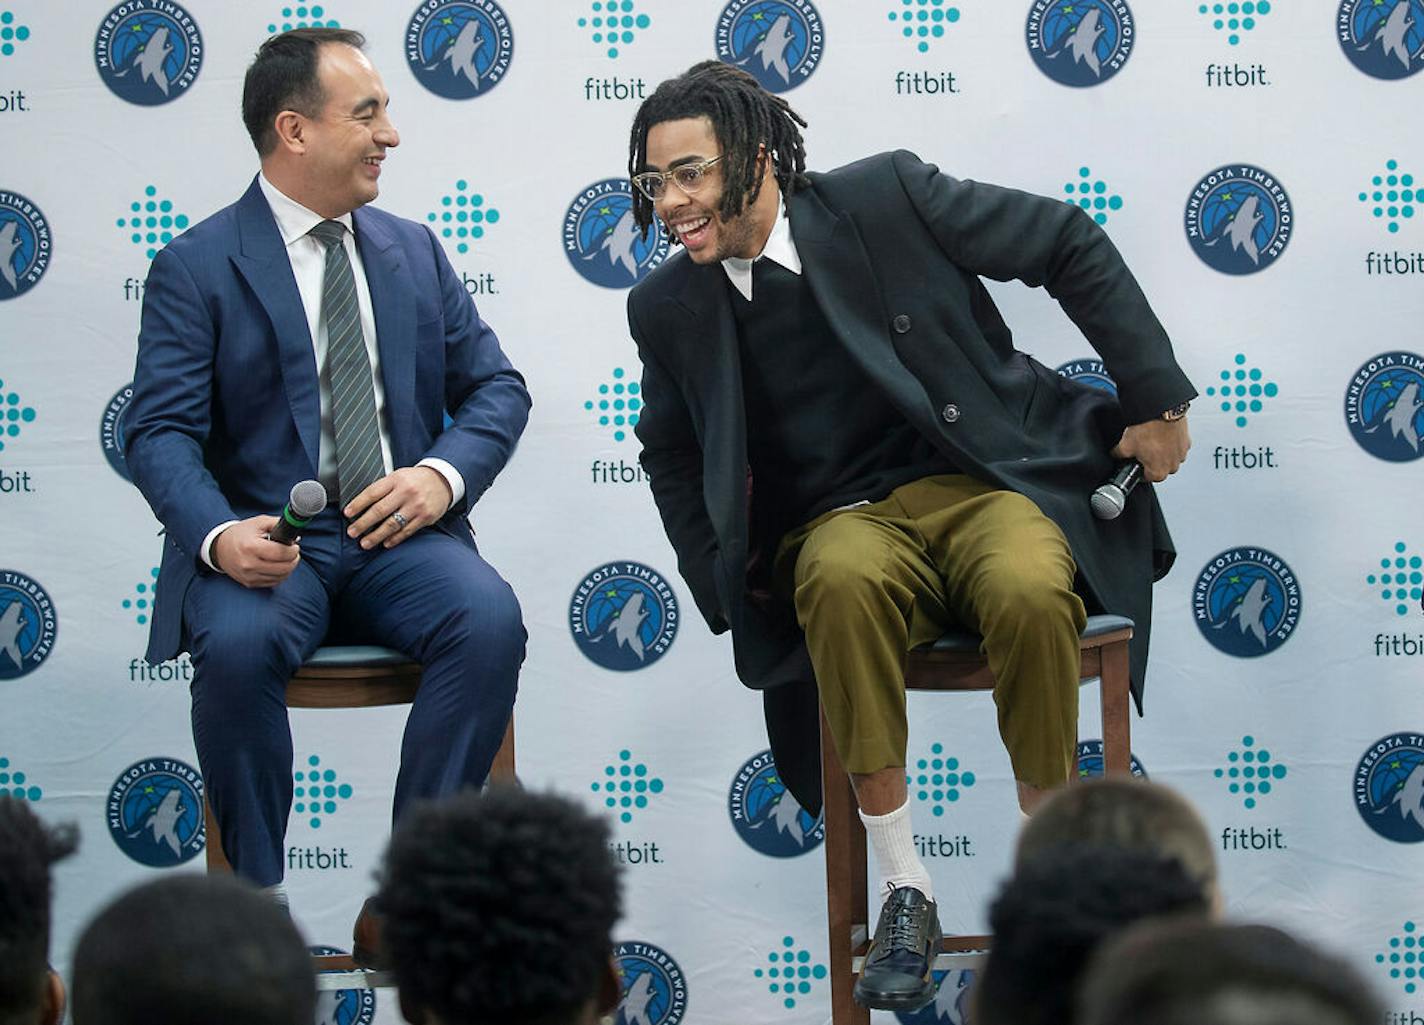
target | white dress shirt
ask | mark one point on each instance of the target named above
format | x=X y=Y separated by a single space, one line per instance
x=308 y=258
x=780 y=248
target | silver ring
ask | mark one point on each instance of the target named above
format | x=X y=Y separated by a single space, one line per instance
x=401 y=521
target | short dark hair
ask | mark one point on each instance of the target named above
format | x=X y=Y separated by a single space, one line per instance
x=27 y=850
x=1053 y=913
x=1187 y=972
x=1130 y=814
x=284 y=76
x=743 y=116
x=193 y=950
x=499 y=907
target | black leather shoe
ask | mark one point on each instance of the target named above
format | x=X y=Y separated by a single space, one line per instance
x=899 y=967
x=366 y=938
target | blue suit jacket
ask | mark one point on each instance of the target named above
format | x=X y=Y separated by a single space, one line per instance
x=225 y=416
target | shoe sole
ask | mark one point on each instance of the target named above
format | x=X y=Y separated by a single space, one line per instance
x=895 y=1002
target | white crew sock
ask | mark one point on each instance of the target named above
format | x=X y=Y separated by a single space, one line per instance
x=893 y=842
x=278 y=893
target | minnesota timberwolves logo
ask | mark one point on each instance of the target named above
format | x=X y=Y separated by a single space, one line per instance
x=765 y=814
x=1384 y=406
x=27 y=625
x=111 y=430
x=1091 y=372
x=155 y=812
x=1389 y=787
x=623 y=616
x=1383 y=38
x=343 y=1006
x=654 y=990
x=1239 y=219
x=459 y=50
x=148 y=52
x=603 y=242
x=1246 y=602
x=950 y=1005
x=778 y=41
x=1090 y=761
x=1080 y=42
x=24 y=245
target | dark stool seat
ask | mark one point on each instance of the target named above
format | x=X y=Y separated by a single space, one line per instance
x=953 y=663
x=353 y=676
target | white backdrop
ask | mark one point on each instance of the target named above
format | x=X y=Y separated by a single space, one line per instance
x=1309 y=302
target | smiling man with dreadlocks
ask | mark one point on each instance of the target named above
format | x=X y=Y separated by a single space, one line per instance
x=849 y=454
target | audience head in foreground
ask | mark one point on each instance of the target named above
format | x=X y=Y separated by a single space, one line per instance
x=499 y=907
x=1126 y=814
x=1050 y=917
x=1196 y=972
x=30 y=991
x=193 y=950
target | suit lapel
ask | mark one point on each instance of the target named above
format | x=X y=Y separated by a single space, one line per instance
x=393 y=303
x=840 y=275
x=264 y=264
x=714 y=369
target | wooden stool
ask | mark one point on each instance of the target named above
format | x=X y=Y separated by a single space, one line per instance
x=953 y=663
x=353 y=676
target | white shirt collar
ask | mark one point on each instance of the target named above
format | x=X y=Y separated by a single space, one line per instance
x=294 y=221
x=780 y=248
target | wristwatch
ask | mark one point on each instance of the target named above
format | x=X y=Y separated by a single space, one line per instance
x=1176 y=412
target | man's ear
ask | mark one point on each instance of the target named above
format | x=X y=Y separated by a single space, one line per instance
x=52 y=1004
x=290 y=127
x=610 y=989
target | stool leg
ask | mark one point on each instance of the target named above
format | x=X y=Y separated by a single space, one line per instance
x=217 y=860
x=846 y=903
x=1117 y=728
x=502 y=770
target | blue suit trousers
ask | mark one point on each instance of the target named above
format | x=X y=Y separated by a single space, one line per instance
x=433 y=598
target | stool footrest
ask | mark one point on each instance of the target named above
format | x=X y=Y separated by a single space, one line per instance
x=358 y=978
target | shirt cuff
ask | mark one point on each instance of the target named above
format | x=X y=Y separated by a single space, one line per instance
x=206 y=551
x=452 y=478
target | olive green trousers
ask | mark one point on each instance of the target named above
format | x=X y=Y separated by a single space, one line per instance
x=870 y=582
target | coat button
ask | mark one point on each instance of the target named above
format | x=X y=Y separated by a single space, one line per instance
x=901 y=324
x=950 y=413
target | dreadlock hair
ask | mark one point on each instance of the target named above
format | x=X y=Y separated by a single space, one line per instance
x=743 y=116
x=27 y=850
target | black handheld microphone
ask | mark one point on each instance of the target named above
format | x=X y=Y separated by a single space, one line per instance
x=307 y=499
x=1109 y=499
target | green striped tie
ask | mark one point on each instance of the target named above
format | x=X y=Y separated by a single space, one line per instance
x=353 y=396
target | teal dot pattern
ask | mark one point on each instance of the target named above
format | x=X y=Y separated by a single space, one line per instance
x=1392 y=197
x=1235 y=18
x=938 y=780
x=151 y=222
x=1243 y=390
x=618 y=404
x=463 y=216
x=626 y=787
x=1401 y=579
x=1405 y=957
x=318 y=792
x=16 y=784
x=141 y=604
x=1250 y=773
x=791 y=973
x=923 y=20
x=13 y=415
x=614 y=24
x=302 y=16
x=1092 y=195
x=11 y=33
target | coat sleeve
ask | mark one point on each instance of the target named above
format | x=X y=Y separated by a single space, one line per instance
x=171 y=413
x=1005 y=234
x=484 y=395
x=672 y=458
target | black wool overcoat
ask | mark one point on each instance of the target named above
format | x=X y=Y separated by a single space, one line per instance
x=893 y=251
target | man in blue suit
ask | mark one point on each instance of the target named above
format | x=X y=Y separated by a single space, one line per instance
x=299 y=333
